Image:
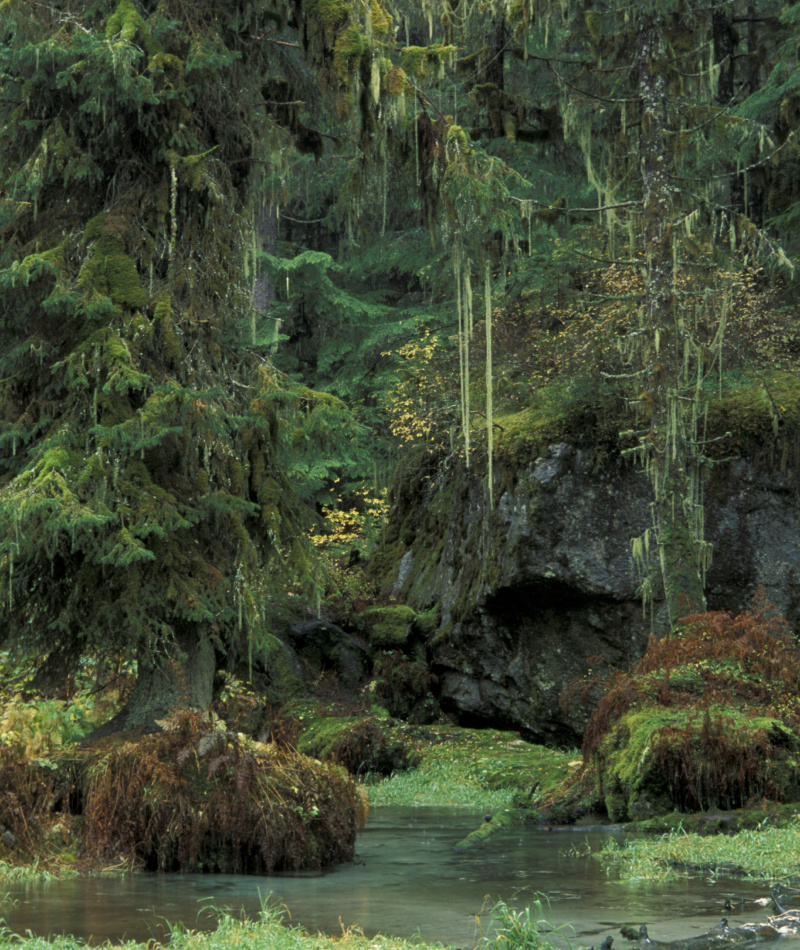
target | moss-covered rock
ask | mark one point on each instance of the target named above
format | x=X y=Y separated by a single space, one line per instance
x=387 y=627
x=709 y=718
x=361 y=744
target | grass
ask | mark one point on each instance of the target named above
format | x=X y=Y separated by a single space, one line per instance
x=232 y=933
x=25 y=873
x=527 y=929
x=449 y=784
x=473 y=769
x=762 y=854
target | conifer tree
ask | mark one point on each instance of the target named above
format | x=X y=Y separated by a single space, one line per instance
x=153 y=472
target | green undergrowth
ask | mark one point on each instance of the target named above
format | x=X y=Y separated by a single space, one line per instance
x=763 y=853
x=436 y=765
x=754 y=416
x=484 y=769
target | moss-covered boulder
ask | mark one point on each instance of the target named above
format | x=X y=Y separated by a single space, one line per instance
x=194 y=797
x=709 y=718
x=540 y=586
x=361 y=744
x=387 y=627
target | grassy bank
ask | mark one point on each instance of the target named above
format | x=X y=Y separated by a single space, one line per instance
x=232 y=933
x=766 y=854
x=482 y=769
x=528 y=929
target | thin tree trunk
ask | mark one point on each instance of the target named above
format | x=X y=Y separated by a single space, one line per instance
x=672 y=450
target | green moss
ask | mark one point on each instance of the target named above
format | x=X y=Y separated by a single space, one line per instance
x=361 y=744
x=572 y=411
x=45 y=262
x=380 y=19
x=761 y=416
x=127 y=25
x=124 y=21
x=635 y=755
x=329 y=13
x=499 y=822
x=348 y=49
x=387 y=627
x=107 y=269
x=428 y=621
x=415 y=61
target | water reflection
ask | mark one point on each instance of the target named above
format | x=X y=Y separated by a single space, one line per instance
x=408 y=879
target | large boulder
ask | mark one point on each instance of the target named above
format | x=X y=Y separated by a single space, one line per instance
x=541 y=589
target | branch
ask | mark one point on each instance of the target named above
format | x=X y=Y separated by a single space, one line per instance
x=542 y=204
x=426 y=101
x=590 y=95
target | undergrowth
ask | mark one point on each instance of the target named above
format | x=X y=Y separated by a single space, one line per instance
x=439 y=784
x=483 y=769
x=195 y=797
x=709 y=717
x=232 y=933
x=762 y=854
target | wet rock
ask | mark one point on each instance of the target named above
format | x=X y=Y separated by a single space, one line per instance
x=324 y=646
x=537 y=593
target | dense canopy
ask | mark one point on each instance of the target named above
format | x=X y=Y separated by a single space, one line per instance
x=252 y=251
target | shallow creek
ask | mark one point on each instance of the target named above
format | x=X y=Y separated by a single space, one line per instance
x=407 y=879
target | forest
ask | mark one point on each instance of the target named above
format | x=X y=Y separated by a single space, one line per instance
x=260 y=259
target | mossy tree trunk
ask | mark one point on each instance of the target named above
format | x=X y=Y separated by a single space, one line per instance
x=672 y=457
x=182 y=678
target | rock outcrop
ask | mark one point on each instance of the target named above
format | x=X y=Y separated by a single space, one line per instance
x=539 y=591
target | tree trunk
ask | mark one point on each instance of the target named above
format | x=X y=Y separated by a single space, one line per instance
x=183 y=680
x=672 y=461
x=267 y=240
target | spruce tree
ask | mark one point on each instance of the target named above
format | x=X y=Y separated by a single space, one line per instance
x=151 y=468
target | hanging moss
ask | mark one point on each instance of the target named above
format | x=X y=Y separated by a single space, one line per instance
x=395 y=81
x=350 y=46
x=510 y=127
x=380 y=19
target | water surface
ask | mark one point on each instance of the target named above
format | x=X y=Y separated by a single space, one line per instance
x=408 y=879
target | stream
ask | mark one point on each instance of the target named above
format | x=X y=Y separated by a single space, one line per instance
x=408 y=879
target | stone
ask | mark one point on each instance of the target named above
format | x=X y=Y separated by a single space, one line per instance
x=539 y=592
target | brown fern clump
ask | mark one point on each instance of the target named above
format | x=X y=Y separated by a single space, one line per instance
x=195 y=798
x=366 y=748
x=709 y=716
x=28 y=793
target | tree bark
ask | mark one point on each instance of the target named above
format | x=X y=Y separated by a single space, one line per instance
x=182 y=680
x=672 y=449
